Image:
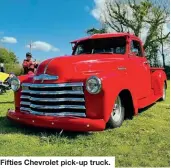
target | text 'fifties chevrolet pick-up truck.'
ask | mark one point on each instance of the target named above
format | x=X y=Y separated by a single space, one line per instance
x=105 y=80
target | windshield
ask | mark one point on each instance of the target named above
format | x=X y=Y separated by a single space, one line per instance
x=115 y=45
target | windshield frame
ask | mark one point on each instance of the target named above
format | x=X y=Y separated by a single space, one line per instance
x=112 y=38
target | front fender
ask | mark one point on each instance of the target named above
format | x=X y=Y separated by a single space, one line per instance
x=114 y=84
x=101 y=105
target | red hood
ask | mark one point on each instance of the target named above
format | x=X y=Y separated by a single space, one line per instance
x=69 y=67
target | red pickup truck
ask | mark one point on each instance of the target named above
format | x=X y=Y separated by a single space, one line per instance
x=105 y=80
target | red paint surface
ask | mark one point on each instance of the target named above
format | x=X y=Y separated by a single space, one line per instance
x=143 y=82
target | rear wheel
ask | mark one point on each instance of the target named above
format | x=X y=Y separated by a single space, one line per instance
x=163 y=98
x=117 y=115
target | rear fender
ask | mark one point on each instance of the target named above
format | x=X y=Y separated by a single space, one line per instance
x=158 y=78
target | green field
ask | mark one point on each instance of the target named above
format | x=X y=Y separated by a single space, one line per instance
x=143 y=141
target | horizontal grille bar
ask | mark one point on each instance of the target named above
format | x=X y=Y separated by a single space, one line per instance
x=25 y=103
x=51 y=85
x=52 y=93
x=25 y=109
x=25 y=97
x=57 y=107
x=61 y=114
x=57 y=99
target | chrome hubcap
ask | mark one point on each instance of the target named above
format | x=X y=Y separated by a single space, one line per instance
x=116 y=113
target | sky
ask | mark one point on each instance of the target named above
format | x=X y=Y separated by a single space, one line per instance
x=49 y=24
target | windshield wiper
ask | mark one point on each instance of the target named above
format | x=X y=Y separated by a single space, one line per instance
x=104 y=53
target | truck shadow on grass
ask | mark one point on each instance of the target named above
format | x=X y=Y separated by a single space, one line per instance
x=10 y=127
x=146 y=108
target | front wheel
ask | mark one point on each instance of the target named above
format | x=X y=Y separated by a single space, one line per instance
x=117 y=115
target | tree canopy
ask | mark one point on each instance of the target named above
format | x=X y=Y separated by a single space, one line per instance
x=144 y=18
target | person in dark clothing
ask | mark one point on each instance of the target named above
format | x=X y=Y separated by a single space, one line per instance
x=2 y=69
x=29 y=65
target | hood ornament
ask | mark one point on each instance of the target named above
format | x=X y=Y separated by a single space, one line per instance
x=44 y=77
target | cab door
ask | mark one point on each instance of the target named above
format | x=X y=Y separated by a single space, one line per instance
x=139 y=70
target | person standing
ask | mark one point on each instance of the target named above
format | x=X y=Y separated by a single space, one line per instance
x=29 y=65
x=2 y=69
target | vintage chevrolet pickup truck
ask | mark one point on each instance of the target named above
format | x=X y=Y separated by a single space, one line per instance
x=105 y=80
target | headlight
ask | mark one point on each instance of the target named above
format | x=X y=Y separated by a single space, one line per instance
x=15 y=84
x=93 y=85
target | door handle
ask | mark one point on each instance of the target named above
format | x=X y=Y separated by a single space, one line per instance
x=145 y=62
x=121 y=68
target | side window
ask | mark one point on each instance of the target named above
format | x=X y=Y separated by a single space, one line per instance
x=79 y=49
x=136 y=48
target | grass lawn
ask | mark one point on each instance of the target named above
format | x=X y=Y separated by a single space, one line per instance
x=143 y=141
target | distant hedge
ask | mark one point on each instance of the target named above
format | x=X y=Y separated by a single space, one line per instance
x=10 y=61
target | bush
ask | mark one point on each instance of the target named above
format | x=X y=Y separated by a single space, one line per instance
x=17 y=69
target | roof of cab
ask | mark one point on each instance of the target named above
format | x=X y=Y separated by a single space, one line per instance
x=103 y=35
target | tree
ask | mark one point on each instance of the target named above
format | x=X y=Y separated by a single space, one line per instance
x=11 y=62
x=163 y=41
x=7 y=56
x=96 y=31
x=138 y=17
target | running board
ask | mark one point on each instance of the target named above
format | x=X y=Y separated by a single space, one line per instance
x=148 y=101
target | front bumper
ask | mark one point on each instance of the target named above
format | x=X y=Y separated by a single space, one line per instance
x=65 y=123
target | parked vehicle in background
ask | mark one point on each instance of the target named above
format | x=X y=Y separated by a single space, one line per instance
x=5 y=81
x=105 y=80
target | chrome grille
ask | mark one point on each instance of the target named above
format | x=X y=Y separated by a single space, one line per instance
x=66 y=99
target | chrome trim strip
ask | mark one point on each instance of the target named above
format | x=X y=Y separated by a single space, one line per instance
x=25 y=103
x=56 y=107
x=47 y=65
x=26 y=84
x=52 y=85
x=44 y=77
x=53 y=92
x=63 y=114
x=57 y=99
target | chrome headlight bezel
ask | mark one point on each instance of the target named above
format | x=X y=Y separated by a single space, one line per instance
x=98 y=82
x=15 y=86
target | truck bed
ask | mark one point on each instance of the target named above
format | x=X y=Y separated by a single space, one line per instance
x=155 y=68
